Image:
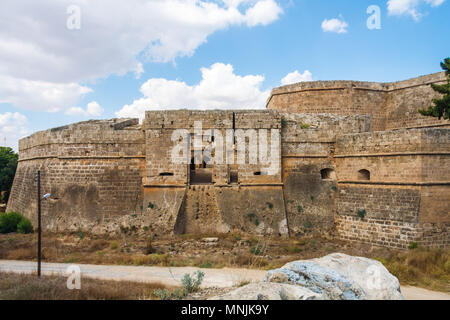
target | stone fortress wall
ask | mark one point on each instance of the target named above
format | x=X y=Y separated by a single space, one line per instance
x=404 y=199
x=390 y=105
x=405 y=155
x=93 y=170
x=216 y=204
x=308 y=146
x=356 y=159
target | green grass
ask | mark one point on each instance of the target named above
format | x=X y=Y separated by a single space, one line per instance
x=205 y=265
x=413 y=245
x=305 y=126
x=190 y=284
x=292 y=249
x=114 y=245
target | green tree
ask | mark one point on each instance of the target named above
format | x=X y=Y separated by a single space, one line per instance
x=8 y=166
x=441 y=107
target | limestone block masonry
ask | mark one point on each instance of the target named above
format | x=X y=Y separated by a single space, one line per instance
x=354 y=159
x=93 y=170
x=391 y=105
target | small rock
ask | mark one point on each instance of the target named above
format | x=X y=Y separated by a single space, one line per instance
x=210 y=240
x=277 y=277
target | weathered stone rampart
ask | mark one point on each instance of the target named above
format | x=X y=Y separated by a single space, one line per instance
x=308 y=146
x=93 y=170
x=401 y=199
x=254 y=202
x=390 y=105
x=351 y=157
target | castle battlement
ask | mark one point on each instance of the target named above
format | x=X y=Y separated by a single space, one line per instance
x=391 y=105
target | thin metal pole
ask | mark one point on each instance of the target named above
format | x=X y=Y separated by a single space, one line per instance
x=39 y=222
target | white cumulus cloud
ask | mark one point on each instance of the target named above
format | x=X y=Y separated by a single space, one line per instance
x=410 y=7
x=115 y=37
x=334 y=25
x=296 y=76
x=92 y=109
x=263 y=12
x=13 y=126
x=435 y=3
x=40 y=95
x=220 y=88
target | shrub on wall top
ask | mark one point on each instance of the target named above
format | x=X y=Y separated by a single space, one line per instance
x=361 y=213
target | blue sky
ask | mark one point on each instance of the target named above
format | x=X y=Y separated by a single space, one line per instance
x=198 y=54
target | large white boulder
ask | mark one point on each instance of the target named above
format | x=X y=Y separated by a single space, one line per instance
x=269 y=291
x=340 y=277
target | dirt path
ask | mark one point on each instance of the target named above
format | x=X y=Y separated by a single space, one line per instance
x=220 y=278
x=414 y=293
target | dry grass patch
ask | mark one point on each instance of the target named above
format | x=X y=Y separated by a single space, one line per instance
x=21 y=254
x=154 y=259
x=419 y=267
x=98 y=244
x=424 y=267
x=29 y=287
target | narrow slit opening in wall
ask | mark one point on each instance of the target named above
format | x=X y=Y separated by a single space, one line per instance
x=259 y=173
x=166 y=174
x=234 y=128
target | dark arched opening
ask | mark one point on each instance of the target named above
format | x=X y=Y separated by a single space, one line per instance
x=364 y=174
x=328 y=174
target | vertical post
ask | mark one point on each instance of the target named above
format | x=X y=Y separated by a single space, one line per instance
x=39 y=222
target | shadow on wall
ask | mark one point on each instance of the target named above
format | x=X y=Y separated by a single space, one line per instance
x=77 y=203
x=310 y=201
x=328 y=174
